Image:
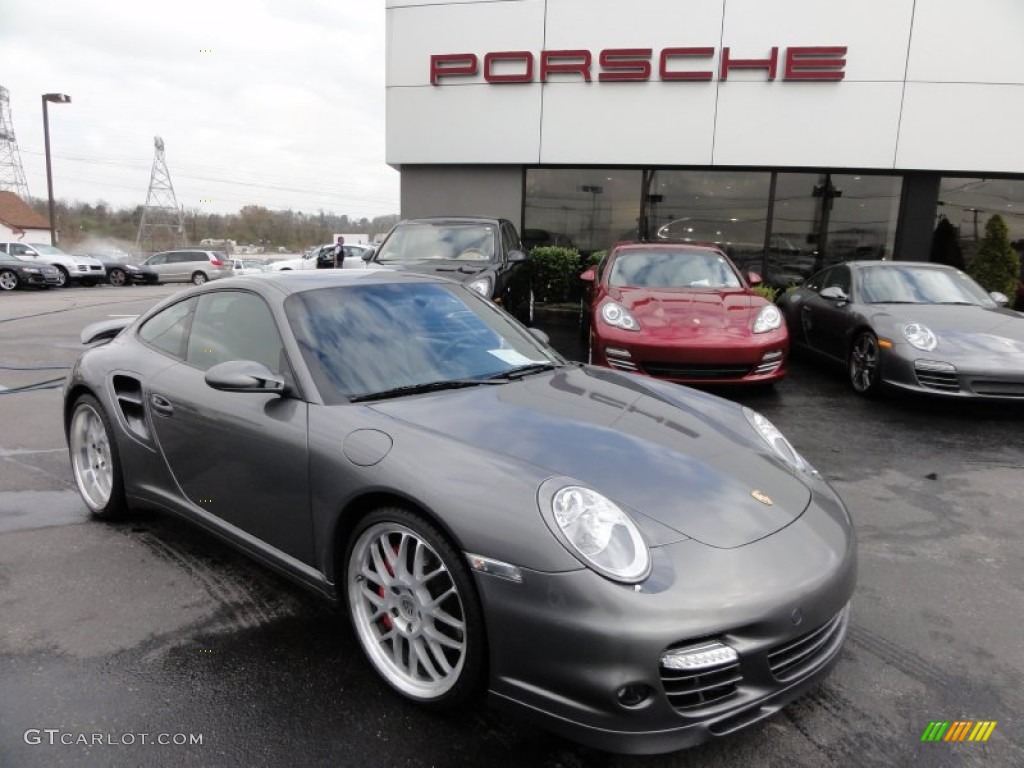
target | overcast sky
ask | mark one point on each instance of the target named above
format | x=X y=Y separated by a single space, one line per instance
x=286 y=110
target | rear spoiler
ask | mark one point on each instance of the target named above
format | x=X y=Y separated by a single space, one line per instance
x=105 y=330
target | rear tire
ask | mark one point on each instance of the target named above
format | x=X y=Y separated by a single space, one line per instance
x=95 y=461
x=415 y=609
x=198 y=278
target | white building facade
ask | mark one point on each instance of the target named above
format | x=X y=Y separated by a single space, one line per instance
x=786 y=130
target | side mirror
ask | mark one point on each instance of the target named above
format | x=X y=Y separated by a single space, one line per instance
x=367 y=255
x=754 y=278
x=1000 y=298
x=244 y=376
x=833 y=293
x=516 y=256
x=540 y=335
x=589 y=276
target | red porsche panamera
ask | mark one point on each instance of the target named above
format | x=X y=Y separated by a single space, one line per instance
x=682 y=313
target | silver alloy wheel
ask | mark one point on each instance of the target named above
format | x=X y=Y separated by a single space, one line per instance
x=90 y=457
x=8 y=280
x=117 y=277
x=407 y=611
x=62 y=277
x=199 y=278
x=864 y=363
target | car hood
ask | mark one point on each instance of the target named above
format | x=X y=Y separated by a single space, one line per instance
x=965 y=330
x=680 y=311
x=87 y=260
x=452 y=269
x=674 y=463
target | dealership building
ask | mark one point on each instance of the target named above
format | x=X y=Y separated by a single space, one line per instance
x=792 y=132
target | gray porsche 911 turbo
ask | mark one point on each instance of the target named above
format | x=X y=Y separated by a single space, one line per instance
x=634 y=564
x=912 y=326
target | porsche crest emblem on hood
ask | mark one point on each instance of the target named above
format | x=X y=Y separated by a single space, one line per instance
x=763 y=497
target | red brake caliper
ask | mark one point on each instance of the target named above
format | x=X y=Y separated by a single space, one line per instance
x=386 y=620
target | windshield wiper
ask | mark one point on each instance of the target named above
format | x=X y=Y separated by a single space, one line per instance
x=523 y=370
x=416 y=389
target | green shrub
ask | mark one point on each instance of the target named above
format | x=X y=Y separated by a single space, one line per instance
x=593 y=259
x=767 y=291
x=556 y=273
x=996 y=265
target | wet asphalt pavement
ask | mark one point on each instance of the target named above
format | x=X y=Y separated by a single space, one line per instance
x=150 y=627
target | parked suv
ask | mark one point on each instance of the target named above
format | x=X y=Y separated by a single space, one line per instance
x=190 y=265
x=484 y=253
x=77 y=269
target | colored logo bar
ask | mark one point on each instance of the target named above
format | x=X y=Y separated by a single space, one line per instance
x=958 y=730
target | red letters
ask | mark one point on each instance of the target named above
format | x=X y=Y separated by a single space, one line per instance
x=667 y=53
x=815 y=63
x=445 y=64
x=572 y=62
x=526 y=76
x=806 y=63
x=619 y=64
x=771 y=63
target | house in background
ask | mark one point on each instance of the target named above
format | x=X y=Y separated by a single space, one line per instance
x=20 y=222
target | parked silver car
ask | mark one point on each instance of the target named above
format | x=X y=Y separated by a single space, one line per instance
x=190 y=265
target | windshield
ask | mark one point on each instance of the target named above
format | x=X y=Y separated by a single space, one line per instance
x=418 y=241
x=672 y=269
x=920 y=285
x=360 y=340
x=47 y=250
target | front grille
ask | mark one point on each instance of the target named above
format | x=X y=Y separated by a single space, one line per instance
x=621 y=365
x=95 y=268
x=695 y=371
x=946 y=381
x=998 y=388
x=691 y=691
x=801 y=656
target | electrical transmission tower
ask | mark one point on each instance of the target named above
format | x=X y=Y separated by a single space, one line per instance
x=12 y=176
x=163 y=224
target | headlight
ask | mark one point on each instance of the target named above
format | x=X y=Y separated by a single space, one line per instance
x=131 y=268
x=768 y=319
x=920 y=336
x=31 y=270
x=617 y=315
x=602 y=534
x=481 y=285
x=778 y=442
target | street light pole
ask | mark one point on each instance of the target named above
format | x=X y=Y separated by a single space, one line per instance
x=56 y=98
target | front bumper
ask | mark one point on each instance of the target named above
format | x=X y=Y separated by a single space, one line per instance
x=927 y=373
x=87 y=273
x=760 y=359
x=565 y=646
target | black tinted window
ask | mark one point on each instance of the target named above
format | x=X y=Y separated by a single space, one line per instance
x=167 y=330
x=234 y=325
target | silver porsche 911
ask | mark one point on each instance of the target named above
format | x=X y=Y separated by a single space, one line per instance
x=638 y=566
x=913 y=326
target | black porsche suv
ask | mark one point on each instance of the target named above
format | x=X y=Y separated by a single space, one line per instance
x=484 y=253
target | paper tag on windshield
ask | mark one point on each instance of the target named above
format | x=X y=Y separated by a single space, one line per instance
x=512 y=357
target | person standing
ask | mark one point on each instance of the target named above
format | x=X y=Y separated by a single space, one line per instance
x=339 y=253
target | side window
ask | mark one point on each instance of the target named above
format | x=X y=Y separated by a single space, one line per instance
x=19 y=249
x=234 y=325
x=167 y=330
x=817 y=282
x=182 y=257
x=160 y=258
x=840 y=278
x=509 y=238
x=601 y=266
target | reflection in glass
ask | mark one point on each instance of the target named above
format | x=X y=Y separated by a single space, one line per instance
x=588 y=209
x=969 y=203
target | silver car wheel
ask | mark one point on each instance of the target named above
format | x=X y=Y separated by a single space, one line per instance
x=90 y=457
x=62 y=277
x=864 y=363
x=407 y=611
x=198 y=278
x=117 y=277
x=8 y=280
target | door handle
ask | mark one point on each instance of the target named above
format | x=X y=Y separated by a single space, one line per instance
x=161 y=405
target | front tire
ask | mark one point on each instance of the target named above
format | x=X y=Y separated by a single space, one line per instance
x=414 y=608
x=62 y=277
x=117 y=277
x=863 y=363
x=198 y=278
x=8 y=280
x=95 y=461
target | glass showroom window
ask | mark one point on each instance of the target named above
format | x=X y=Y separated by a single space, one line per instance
x=969 y=203
x=722 y=207
x=589 y=209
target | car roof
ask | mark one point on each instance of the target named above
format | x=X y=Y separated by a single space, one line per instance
x=452 y=220
x=297 y=281
x=885 y=263
x=640 y=246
